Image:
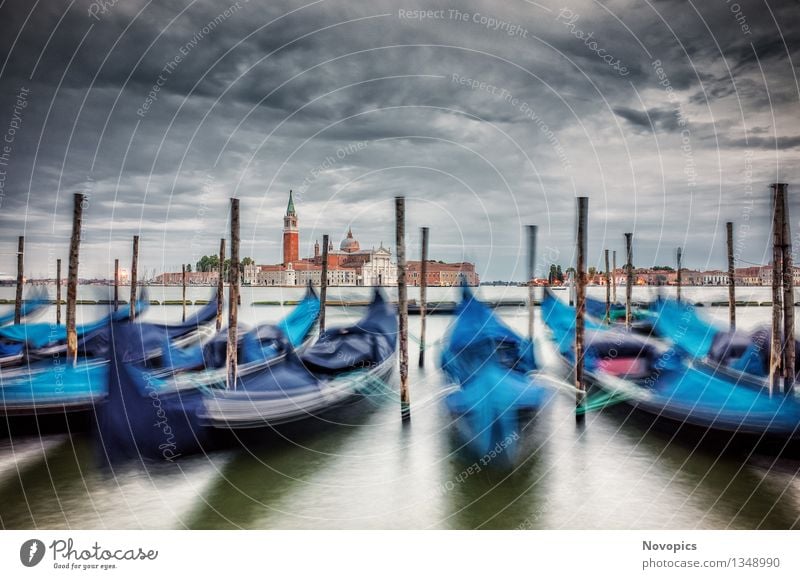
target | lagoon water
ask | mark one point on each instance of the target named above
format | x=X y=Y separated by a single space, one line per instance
x=615 y=472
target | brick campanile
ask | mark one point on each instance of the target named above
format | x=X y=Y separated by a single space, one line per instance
x=291 y=235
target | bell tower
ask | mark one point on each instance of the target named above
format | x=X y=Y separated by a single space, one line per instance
x=291 y=234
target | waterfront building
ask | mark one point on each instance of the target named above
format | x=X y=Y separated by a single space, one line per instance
x=192 y=278
x=250 y=274
x=443 y=274
x=715 y=277
x=749 y=276
x=349 y=265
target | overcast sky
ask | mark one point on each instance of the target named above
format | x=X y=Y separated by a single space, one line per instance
x=672 y=117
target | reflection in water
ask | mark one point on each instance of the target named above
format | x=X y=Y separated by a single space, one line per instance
x=721 y=487
x=249 y=488
x=490 y=494
x=374 y=472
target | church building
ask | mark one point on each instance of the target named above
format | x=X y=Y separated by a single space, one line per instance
x=349 y=266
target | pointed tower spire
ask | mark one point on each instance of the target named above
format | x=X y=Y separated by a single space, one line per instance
x=291 y=234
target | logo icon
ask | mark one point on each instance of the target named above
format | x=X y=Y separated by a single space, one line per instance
x=31 y=552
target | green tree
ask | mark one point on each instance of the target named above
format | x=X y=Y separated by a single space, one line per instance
x=207 y=263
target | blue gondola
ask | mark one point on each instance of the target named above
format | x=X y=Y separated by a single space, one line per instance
x=11 y=351
x=741 y=356
x=641 y=317
x=597 y=309
x=196 y=322
x=53 y=385
x=664 y=382
x=263 y=344
x=29 y=308
x=48 y=382
x=490 y=366
x=46 y=341
x=157 y=418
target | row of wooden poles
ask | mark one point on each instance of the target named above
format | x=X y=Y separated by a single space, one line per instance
x=782 y=342
x=72 y=281
x=233 y=289
x=781 y=348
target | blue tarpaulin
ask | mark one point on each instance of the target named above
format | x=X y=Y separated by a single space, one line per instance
x=490 y=364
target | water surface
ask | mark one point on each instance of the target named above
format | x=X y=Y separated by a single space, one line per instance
x=614 y=472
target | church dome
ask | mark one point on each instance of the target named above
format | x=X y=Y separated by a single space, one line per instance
x=349 y=243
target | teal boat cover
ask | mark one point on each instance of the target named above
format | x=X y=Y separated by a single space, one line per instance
x=490 y=363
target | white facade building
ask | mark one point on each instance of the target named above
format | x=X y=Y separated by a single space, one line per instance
x=349 y=266
x=250 y=274
x=715 y=278
x=303 y=276
x=379 y=270
x=277 y=276
x=345 y=276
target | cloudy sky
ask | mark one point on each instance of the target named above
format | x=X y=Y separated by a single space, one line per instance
x=672 y=117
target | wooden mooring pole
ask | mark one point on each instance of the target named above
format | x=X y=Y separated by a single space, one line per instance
x=679 y=279
x=183 y=294
x=571 y=281
x=402 y=298
x=72 y=276
x=580 y=305
x=533 y=231
x=628 y=278
x=58 y=291
x=116 y=285
x=20 y=279
x=614 y=276
x=776 y=342
x=423 y=294
x=608 y=291
x=220 y=283
x=233 y=298
x=134 y=275
x=323 y=286
x=731 y=278
x=788 y=296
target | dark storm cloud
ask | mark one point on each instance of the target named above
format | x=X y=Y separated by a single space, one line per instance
x=650 y=120
x=781 y=143
x=162 y=110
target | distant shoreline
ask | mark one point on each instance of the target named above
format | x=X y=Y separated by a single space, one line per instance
x=39 y=283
